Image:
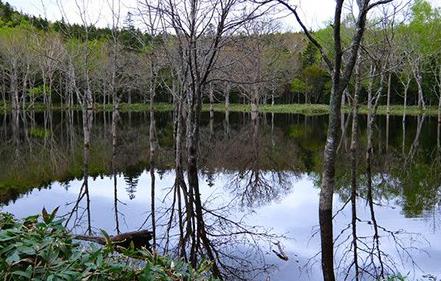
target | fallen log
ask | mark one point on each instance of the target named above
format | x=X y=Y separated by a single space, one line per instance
x=138 y=238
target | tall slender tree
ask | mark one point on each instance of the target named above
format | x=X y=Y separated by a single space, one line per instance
x=341 y=75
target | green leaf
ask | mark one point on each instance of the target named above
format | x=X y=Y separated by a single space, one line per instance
x=147 y=274
x=48 y=218
x=13 y=258
x=24 y=274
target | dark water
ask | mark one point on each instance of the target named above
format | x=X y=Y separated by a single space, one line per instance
x=259 y=184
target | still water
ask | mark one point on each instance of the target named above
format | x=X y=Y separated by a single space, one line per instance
x=259 y=186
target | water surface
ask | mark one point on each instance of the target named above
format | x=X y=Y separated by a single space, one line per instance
x=259 y=183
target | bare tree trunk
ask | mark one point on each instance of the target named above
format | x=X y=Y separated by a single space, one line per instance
x=255 y=104
x=403 y=143
x=50 y=91
x=327 y=191
x=14 y=87
x=419 y=81
x=211 y=97
x=406 y=89
x=193 y=123
x=227 y=96
x=153 y=145
x=389 y=85
x=25 y=86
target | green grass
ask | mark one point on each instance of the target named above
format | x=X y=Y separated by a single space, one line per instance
x=320 y=109
x=398 y=110
x=305 y=109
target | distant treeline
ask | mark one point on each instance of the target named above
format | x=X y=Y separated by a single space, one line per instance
x=54 y=62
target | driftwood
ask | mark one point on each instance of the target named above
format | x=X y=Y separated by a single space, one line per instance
x=138 y=238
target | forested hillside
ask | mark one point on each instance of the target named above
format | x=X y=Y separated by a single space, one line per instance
x=51 y=62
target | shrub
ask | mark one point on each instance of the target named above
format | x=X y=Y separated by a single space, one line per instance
x=40 y=248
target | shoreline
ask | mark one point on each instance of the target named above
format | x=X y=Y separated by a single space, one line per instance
x=304 y=109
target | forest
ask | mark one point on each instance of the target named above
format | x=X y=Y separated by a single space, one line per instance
x=181 y=137
x=45 y=63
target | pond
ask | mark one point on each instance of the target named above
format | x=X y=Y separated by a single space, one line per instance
x=259 y=187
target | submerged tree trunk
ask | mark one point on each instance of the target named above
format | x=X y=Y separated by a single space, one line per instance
x=87 y=128
x=193 y=110
x=153 y=145
x=193 y=125
x=180 y=185
x=327 y=188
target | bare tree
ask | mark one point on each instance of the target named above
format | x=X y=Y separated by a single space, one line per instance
x=200 y=29
x=341 y=75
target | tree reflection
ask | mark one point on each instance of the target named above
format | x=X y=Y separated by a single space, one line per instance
x=76 y=214
x=254 y=182
x=361 y=242
x=199 y=228
x=259 y=160
x=115 y=120
x=131 y=177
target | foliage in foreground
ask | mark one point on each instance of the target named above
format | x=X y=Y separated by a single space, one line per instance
x=40 y=248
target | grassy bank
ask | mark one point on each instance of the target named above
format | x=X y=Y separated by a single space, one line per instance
x=306 y=109
x=136 y=107
x=319 y=109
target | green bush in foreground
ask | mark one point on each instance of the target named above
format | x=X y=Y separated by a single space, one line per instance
x=40 y=248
